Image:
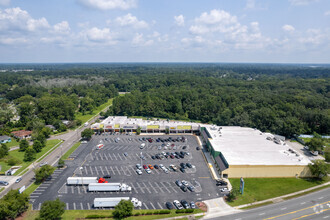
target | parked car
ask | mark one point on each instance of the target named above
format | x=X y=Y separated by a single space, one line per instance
x=169 y=205
x=151 y=167
x=145 y=167
x=43 y=164
x=182 y=170
x=192 y=205
x=198 y=148
x=148 y=171
x=188 y=165
x=138 y=171
x=183 y=188
x=185 y=183
x=153 y=157
x=185 y=204
x=191 y=188
x=18 y=180
x=107 y=176
x=177 y=204
x=178 y=183
x=184 y=147
x=125 y=154
x=4 y=183
x=139 y=166
x=156 y=166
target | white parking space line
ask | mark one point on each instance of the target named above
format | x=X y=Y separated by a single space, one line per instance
x=119 y=156
x=140 y=187
x=117 y=170
x=91 y=170
x=151 y=186
x=165 y=187
x=321 y=197
x=112 y=170
x=147 y=188
x=67 y=206
x=78 y=189
x=284 y=208
x=302 y=203
x=72 y=189
x=101 y=170
x=160 y=188
x=74 y=206
x=34 y=196
x=262 y=213
x=107 y=170
x=89 y=206
x=81 y=205
x=105 y=155
x=146 y=207
x=159 y=205
x=115 y=156
x=85 y=170
x=152 y=205
x=110 y=156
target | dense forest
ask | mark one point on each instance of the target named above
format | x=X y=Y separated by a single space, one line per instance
x=284 y=99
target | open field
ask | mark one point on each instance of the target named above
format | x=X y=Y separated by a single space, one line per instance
x=258 y=189
x=13 y=143
x=20 y=156
x=86 y=117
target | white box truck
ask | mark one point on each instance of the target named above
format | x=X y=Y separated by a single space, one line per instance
x=108 y=187
x=108 y=202
x=81 y=180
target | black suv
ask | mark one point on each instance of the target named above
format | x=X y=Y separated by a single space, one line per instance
x=185 y=204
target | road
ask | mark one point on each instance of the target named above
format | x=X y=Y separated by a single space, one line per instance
x=312 y=206
x=68 y=140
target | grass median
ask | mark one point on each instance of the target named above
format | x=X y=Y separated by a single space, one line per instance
x=70 y=151
x=258 y=189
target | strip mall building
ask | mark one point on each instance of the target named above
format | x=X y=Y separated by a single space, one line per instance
x=236 y=151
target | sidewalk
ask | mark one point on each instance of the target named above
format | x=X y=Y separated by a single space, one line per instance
x=280 y=198
x=218 y=207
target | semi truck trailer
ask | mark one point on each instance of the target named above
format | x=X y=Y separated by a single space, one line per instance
x=108 y=202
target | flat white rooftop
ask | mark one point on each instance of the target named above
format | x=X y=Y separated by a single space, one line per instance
x=248 y=146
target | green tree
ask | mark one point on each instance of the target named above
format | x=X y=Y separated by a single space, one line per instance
x=167 y=130
x=37 y=146
x=319 y=168
x=138 y=130
x=23 y=145
x=13 y=204
x=4 y=151
x=315 y=144
x=87 y=133
x=52 y=210
x=46 y=131
x=121 y=130
x=60 y=163
x=327 y=154
x=30 y=154
x=123 y=209
x=43 y=173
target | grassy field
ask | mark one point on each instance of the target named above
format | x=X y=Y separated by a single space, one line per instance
x=258 y=189
x=13 y=143
x=80 y=214
x=20 y=156
x=31 y=188
x=86 y=117
x=70 y=151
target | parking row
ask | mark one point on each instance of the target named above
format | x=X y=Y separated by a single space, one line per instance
x=142 y=188
x=44 y=186
x=88 y=206
x=108 y=147
x=122 y=170
x=100 y=156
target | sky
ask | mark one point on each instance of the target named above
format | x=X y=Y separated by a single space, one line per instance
x=251 y=31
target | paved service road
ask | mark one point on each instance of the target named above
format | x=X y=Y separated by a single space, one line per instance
x=312 y=206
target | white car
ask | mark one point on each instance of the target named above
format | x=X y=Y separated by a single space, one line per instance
x=139 y=172
x=148 y=171
x=185 y=183
x=224 y=189
x=43 y=164
x=177 y=204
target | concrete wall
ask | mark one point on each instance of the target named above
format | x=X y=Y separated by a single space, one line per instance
x=237 y=171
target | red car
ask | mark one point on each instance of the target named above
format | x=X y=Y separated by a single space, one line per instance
x=145 y=167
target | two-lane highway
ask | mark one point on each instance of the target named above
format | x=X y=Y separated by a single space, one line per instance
x=311 y=206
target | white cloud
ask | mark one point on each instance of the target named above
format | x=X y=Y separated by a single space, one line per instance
x=216 y=16
x=99 y=35
x=179 y=20
x=109 y=4
x=62 y=27
x=12 y=40
x=288 y=28
x=327 y=13
x=16 y=19
x=139 y=40
x=4 y=2
x=302 y=2
x=313 y=37
x=132 y=21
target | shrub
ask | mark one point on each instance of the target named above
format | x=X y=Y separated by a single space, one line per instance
x=13 y=161
x=149 y=213
x=137 y=214
x=164 y=211
x=156 y=212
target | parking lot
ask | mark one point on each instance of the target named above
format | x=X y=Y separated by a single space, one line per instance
x=118 y=158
